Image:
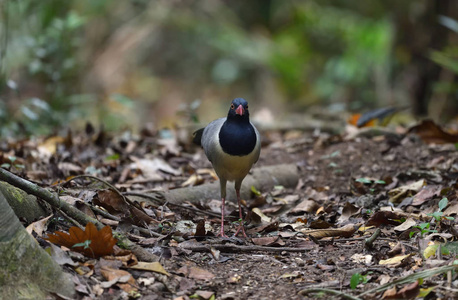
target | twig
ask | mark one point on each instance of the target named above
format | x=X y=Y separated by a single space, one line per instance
x=73 y=221
x=48 y=197
x=112 y=187
x=103 y=213
x=148 y=232
x=369 y=242
x=447 y=289
x=238 y=248
x=327 y=291
x=210 y=213
x=75 y=213
x=411 y=278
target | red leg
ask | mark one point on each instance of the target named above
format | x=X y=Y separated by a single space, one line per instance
x=241 y=226
x=221 y=233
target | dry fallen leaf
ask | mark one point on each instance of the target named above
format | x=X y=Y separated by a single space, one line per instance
x=91 y=242
x=265 y=241
x=345 y=231
x=393 y=260
x=150 y=266
x=431 y=133
x=120 y=277
x=407 y=224
x=409 y=291
x=38 y=226
x=398 y=194
x=113 y=202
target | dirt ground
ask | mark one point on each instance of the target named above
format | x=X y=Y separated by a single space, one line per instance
x=313 y=234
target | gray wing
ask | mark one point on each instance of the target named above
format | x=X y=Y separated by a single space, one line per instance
x=257 y=148
x=210 y=138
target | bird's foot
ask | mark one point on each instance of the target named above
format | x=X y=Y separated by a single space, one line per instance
x=242 y=228
x=222 y=234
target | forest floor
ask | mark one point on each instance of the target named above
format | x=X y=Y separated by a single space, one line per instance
x=305 y=241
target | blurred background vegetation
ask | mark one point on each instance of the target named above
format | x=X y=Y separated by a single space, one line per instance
x=126 y=63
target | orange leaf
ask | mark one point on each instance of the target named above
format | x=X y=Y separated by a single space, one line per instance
x=101 y=241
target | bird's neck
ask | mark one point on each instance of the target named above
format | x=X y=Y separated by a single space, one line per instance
x=237 y=137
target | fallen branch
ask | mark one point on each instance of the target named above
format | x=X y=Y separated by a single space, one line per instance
x=327 y=291
x=263 y=179
x=369 y=242
x=73 y=212
x=48 y=197
x=411 y=278
x=239 y=249
x=149 y=197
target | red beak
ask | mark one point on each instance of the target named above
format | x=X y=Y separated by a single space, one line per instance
x=240 y=110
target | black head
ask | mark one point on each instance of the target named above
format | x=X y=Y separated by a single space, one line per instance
x=239 y=109
x=237 y=136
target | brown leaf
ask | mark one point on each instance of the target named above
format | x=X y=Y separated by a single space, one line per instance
x=38 y=226
x=122 y=278
x=409 y=291
x=306 y=206
x=113 y=202
x=101 y=241
x=425 y=194
x=345 y=231
x=139 y=217
x=150 y=266
x=385 y=218
x=348 y=211
x=265 y=241
x=200 y=230
x=432 y=133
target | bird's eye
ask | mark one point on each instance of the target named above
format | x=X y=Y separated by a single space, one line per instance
x=246 y=107
x=232 y=106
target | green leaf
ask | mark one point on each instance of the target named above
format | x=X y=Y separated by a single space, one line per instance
x=255 y=191
x=423 y=226
x=84 y=244
x=443 y=203
x=380 y=182
x=5 y=165
x=445 y=251
x=333 y=165
x=436 y=215
x=355 y=280
x=112 y=157
x=364 y=180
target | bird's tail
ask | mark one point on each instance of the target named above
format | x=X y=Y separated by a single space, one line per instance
x=197 y=137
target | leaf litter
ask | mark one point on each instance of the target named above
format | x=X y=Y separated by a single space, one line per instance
x=305 y=237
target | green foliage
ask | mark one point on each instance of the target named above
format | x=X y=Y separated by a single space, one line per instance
x=356 y=279
x=438 y=215
x=424 y=228
x=255 y=191
x=364 y=180
x=307 y=51
x=12 y=164
x=84 y=244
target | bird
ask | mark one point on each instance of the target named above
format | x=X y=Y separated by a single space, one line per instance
x=232 y=145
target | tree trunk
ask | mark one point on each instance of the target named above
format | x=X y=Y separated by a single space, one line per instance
x=26 y=270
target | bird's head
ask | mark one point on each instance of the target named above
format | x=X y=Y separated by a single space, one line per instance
x=239 y=109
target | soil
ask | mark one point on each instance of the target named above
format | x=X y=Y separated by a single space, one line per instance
x=348 y=181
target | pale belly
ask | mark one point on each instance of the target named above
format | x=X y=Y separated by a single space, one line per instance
x=233 y=167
